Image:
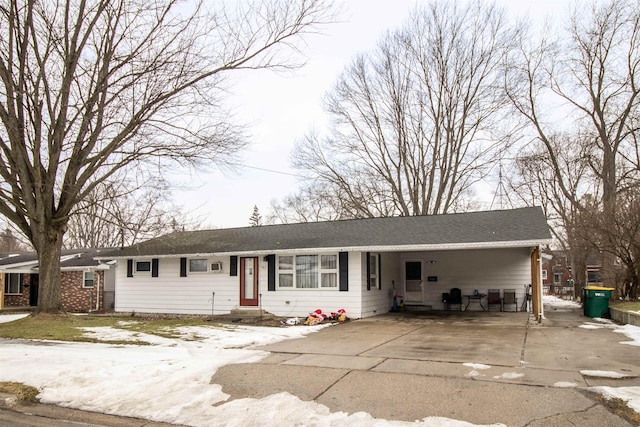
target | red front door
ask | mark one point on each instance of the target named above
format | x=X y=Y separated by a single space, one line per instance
x=249 y=282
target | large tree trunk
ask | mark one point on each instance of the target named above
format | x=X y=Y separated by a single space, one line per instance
x=49 y=249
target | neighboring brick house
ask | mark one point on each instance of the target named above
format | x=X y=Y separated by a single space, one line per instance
x=556 y=271
x=85 y=282
x=557 y=278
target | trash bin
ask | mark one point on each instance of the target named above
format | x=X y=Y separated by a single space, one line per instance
x=596 y=301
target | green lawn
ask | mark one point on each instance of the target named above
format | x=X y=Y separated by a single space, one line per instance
x=68 y=327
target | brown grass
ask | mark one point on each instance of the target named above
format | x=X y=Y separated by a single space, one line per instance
x=618 y=407
x=24 y=393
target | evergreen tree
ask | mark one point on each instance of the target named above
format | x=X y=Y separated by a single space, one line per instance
x=255 y=220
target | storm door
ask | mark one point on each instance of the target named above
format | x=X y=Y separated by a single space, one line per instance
x=249 y=282
x=413 y=292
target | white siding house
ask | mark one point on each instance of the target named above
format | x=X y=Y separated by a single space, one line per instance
x=355 y=265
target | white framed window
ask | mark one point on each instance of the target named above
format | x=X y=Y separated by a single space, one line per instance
x=198 y=265
x=12 y=284
x=285 y=271
x=544 y=274
x=143 y=266
x=308 y=271
x=374 y=280
x=329 y=271
x=557 y=278
x=88 y=279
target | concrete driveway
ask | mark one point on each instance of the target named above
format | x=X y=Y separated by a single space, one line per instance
x=478 y=367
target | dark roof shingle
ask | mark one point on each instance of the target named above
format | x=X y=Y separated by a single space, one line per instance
x=524 y=224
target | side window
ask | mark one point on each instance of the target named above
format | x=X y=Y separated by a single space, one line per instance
x=198 y=265
x=143 y=266
x=88 y=279
x=285 y=271
x=329 y=271
x=12 y=283
x=374 y=280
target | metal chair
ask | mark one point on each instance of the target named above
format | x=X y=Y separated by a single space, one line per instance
x=493 y=299
x=509 y=298
x=455 y=297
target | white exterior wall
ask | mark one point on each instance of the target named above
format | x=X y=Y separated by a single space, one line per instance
x=470 y=270
x=465 y=269
x=170 y=293
x=301 y=302
x=379 y=301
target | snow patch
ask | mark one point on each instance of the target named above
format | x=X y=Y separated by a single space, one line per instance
x=6 y=318
x=476 y=365
x=565 y=384
x=509 y=375
x=604 y=374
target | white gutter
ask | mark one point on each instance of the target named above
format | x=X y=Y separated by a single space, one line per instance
x=378 y=248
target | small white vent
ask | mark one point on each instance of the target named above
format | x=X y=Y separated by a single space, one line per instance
x=216 y=267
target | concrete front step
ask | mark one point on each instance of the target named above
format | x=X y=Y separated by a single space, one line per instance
x=248 y=312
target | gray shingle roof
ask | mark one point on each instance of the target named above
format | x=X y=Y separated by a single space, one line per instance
x=516 y=225
x=81 y=258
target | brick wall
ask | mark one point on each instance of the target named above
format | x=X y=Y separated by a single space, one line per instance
x=75 y=298
x=19 y=300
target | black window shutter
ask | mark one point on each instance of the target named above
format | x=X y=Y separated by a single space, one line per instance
x=379 y=271
x=368 y=271
x=154 y=267
x=343 y=269
x=271 y=272
x=129 y=268
x=233 y=266
x=183 y=267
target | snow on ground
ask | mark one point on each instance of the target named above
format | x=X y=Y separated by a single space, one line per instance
x=553 y=302
x=604 y=374
x=169 y=381
x=11 y=317
x=631 y=395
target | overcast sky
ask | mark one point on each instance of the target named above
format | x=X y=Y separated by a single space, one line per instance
x=281 y=108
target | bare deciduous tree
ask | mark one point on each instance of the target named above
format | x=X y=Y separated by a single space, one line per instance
x=10 y=241
x=90 y=87
x=532 y=181
x=416 y=121
x=583 y=85
x=310 y=204
x=114 y=215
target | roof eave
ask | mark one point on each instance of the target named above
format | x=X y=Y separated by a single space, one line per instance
x=373 y=248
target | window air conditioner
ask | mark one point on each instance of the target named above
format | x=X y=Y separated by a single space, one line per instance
x=216 y=267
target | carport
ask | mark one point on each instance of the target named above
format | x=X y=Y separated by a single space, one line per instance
x=420 y=279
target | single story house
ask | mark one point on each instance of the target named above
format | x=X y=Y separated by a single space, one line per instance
x=357 y=265
x=86 y=284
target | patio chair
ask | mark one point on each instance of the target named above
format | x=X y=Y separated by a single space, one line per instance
x=455 y=298
x=509 y=298
x=494 y=300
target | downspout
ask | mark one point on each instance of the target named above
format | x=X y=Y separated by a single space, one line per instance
x=97 y=277
x=540 y=284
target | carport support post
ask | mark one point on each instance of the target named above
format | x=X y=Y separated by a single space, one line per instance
x=536 y=285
